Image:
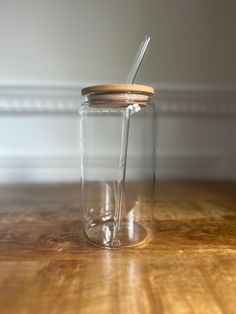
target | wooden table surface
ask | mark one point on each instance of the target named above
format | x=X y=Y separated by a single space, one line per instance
x=47 y=267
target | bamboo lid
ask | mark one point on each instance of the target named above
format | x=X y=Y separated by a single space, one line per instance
x=118 y=88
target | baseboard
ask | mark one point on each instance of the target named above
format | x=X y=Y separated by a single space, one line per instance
x=59 y=168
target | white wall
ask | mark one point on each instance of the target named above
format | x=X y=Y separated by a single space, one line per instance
x=49 y=49
x=193 y=41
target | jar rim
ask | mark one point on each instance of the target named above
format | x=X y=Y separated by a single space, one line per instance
x=117 y=99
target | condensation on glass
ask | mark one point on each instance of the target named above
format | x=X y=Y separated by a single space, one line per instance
x=117 y=130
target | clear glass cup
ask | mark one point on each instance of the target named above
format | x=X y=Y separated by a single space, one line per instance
x=117 y=129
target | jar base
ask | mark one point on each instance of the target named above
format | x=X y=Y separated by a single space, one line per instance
x=104 y=235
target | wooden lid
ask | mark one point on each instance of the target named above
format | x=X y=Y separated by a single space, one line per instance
x=118 y=88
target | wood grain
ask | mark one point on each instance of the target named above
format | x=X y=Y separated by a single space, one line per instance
x=46 y=266
x=118 y=88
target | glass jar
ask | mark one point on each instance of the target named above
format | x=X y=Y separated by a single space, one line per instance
x=117 y=130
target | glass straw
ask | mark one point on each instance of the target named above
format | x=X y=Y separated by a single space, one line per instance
x=138 y=60
x=124 y=140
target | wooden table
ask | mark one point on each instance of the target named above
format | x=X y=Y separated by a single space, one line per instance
x=47 y=267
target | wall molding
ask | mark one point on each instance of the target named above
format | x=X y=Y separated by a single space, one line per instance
x=67 y=168
x=65 y=98
x=212 y=158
